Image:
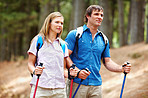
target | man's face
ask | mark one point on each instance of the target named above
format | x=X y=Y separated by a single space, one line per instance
x=96 y=18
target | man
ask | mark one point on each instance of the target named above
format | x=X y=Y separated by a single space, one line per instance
x=91 y=51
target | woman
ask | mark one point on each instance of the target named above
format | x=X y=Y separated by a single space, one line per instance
x=51 y=82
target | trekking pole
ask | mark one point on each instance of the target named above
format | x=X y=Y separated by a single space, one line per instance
x=79 y=84
x=38 y=76
x=71 y=84
x=123 y=80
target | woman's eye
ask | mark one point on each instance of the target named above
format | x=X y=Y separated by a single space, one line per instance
x=102 y=15
x=56 y=22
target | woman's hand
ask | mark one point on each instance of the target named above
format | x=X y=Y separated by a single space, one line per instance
x=73 y=72
x=39 y=70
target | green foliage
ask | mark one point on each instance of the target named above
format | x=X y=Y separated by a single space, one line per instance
x=115 y=40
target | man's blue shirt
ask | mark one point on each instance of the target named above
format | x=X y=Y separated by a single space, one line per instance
x=89 y=54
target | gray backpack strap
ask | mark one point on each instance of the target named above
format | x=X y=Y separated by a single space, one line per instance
x=79 y=32
x=105 y=41
x=104 y=37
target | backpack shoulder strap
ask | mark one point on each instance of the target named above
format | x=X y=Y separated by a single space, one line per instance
x=63 y=45
x=104 y=37
x=79 y=31
x=39 y=42
x=106 y=42
x=78 y=35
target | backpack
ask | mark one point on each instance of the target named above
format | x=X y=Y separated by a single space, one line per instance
x=39 y=44
x=79 y=34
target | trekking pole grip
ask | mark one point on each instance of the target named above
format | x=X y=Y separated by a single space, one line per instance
x=86 y=70
x=73 y=66
x=41 y=64
x=127 y=63
x=69 y=76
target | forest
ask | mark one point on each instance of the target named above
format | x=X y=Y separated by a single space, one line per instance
x=125 y=22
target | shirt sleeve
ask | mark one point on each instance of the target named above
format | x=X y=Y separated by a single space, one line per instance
x=66 y=51
x=71 y=39
x=32 y=48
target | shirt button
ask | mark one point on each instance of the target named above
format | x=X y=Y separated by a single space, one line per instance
x=90 y=41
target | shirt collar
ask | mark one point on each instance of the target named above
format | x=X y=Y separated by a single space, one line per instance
x=85 y=28
x=57 y=39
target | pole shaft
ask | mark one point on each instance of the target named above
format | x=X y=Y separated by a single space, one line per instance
x=123 y=86
x=35 y=87
x=76 y=90
x=71 y=85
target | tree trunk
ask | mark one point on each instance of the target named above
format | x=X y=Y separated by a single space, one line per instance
x=128 y=25
x=147 y=31
x=107 y=25
x=3 y=46
x=141 y=13
x=46 y=8
x=58 y=5
x=147 y=23
x=121 y=23
x=137 y=31
x=79 y=11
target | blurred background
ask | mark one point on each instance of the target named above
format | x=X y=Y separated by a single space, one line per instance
x=125 y=21
x=125 y=24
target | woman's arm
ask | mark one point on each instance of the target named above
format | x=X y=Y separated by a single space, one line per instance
x=31 y=65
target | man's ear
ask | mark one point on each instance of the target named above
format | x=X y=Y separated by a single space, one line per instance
x=87 y=16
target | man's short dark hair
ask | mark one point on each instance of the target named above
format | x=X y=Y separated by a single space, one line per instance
x=90 y=9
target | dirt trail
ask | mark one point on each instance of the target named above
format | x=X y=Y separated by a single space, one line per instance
x=15 y=77
x=136 y=84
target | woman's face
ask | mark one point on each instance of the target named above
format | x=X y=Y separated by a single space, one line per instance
x=56 y=25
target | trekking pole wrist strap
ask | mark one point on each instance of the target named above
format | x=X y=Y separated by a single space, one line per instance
x=78 y=73
x=69 y=76
x=82 y=69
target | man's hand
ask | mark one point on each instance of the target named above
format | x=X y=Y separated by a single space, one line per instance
x=126 y=68
x=83 y=74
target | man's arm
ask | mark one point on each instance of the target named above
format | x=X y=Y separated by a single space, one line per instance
x=114 y=67
x=69 y=62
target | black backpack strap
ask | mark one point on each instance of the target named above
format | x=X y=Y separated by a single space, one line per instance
x=103 y=53
x=38 y=46
x=76 y=44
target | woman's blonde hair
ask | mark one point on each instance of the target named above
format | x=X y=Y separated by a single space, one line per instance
x=44 y=32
